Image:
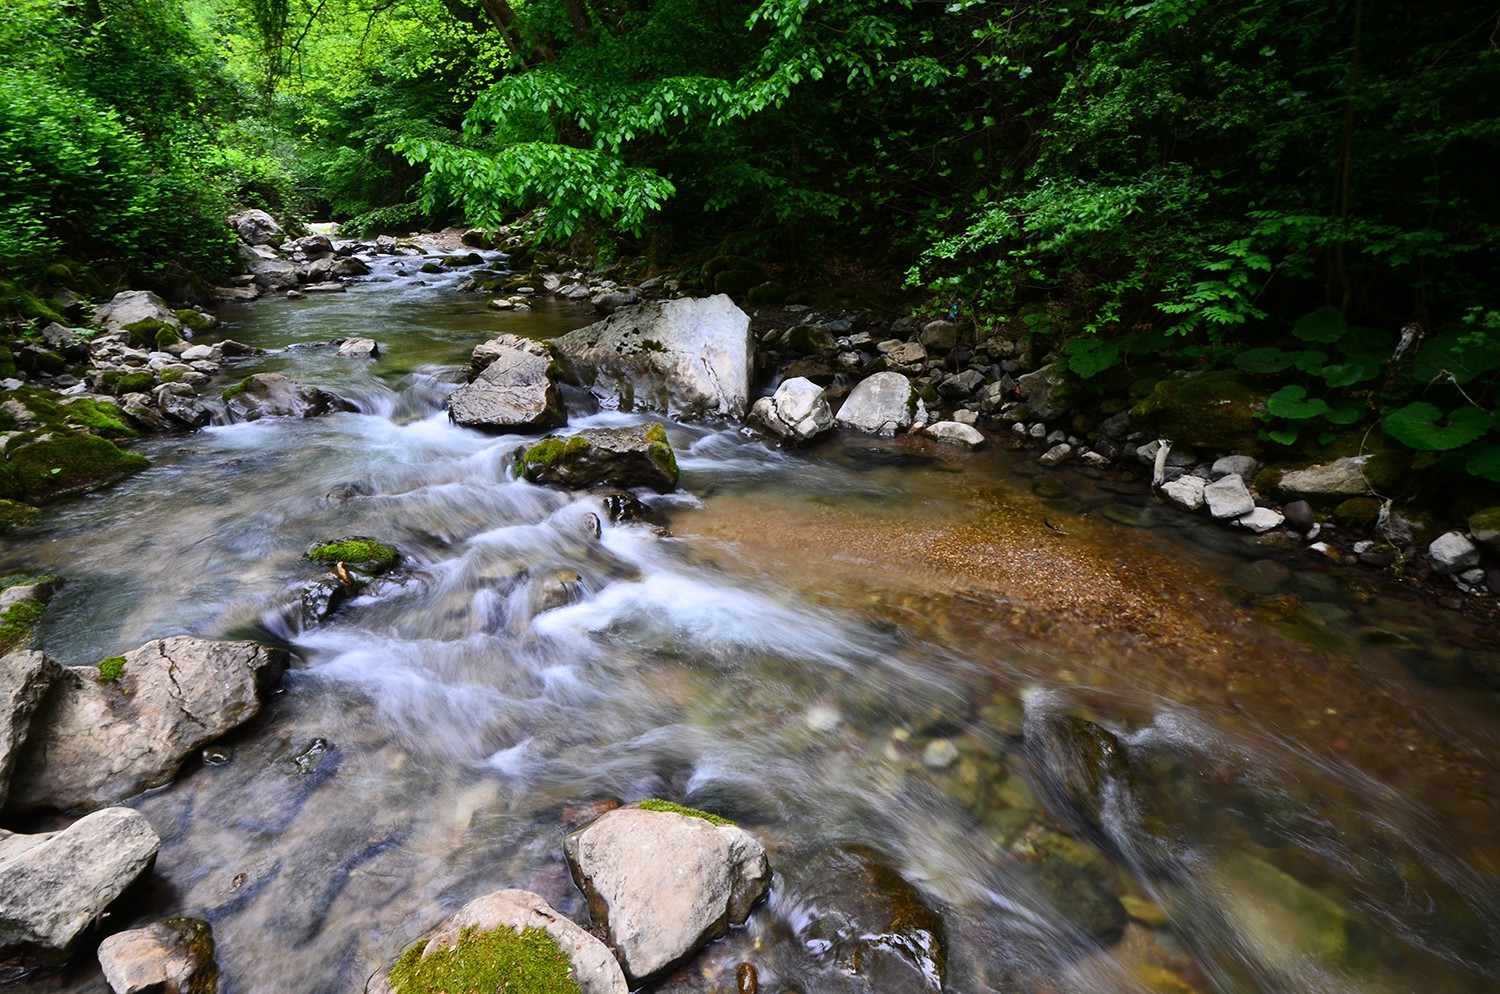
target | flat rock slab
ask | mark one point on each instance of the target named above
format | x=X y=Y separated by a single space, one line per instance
x=95 y=743
x=515 y=389
x=272 y=395
x=594 y=967
x=53 y=885
x=175 y=956
x=689 y=357
x=662 y=884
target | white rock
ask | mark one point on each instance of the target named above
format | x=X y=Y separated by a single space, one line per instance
x=956 y=433
x=940 y=754
x=1452 y=552
x=1260 y=520
x=883 y=403
x=1185 y=492
x=359 y=348
x=1340 y=478
x=1228 y=498
x=1242 y=466
x=1057 y=455
x=799 y=410
x=130 y=306
x=169 y=957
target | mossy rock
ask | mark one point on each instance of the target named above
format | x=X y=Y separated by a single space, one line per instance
x=1485 y=527
x=356 y=552
x=120 y=383
x=1215 y=411
x=58 y=465
x=484 y=962
x=18 y=623
x=767 y=294
x=430 y=268
x=14 y=513
x=149 y=333
x=7 y=362
x=737 y=282
x=728 y=263
x=17 y=301
x=638 y=456
x=672 y=807
x=193 y=319
x=1358 y=512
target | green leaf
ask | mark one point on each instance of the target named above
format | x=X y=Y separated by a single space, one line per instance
x=1324 y=325
x=1286 y=436
x=1453 y=353
x=1344 y=414
x=1485 y=463
x=1088 y=357
x=1292 y=402
x=1417 y=425
x=1351 y=372
x=1266 y=360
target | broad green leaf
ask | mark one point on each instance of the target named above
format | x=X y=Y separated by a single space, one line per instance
x=1344 y=414
x=1418 y=426
x=1323 y=325
x=1088 y=357
x=1285 y=436
x=1266 y=360
x=1450 y=353
x=1351 y=372
x=1485 y=463
x=1292 y=402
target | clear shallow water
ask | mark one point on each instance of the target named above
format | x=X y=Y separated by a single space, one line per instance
x=1302 y=813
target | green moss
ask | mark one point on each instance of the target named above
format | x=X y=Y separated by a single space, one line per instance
x=767 y=294
x=662 y=449
x=360 y=553
x=549 y=450
x=192 y=319
x=19 y=622
x=99 y=417
x=1358 y=512
x=1211 y=410
x=501 y=960
x=657 y=433
x=234 y=391
x=737 y=282
x=657 y=804
x=61 y=464
x=7 y=362
x=149 y=333
x=111 y=669
x=14 y=513
x=20 y=302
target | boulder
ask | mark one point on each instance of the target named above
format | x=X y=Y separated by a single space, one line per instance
x=1299 y=516
x=956 y=433
x=516 y=390
x=663 y=884
x=593 y=967
x=25 y=678
x=798 y=411
x=256 y=227
x=180 y=402
x=1485 y=527
x=1076 y=760
x=612 y=300
x=883 y=403
x=1242 y=466
x=1452 y=552
x=359 y=348
x=53 y=885
x=1215 y=410
x=1228 y=497
x=907 y=355
x=1341 y=478
x=130 y=306
x=637 y=456
x=1260 y=520
x=93 y=743
x=939 y=336
x=688 y=357
x=272 y=395
x=269 y=271
x=1045 y=392
x=175 y=956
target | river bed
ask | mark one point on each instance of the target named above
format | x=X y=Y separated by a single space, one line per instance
x=855 y=651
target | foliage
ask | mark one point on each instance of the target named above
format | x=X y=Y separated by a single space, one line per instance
x=360 y=553
x=657 y=804
x=486 y=962
x=18 y=622
x=111 y=669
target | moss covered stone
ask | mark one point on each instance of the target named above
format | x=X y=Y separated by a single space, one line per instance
x=149 y=333
x=111 y=669
x=57 y=465
x=549 y=451
x=18 y=622
x=1358 y=512
x=193 y=319
x=487 y=962
x=17 y=301
x=13 y=513
x=1214 y=411
x=639 y=456
x=357 y=552
x=657 y=804
x=1484 y=525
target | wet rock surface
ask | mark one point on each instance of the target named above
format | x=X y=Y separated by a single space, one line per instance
x=274 y=395
x=516 y=389
x=638 y=456
x=175 y=956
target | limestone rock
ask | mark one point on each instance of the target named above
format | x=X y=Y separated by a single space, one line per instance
x=1045 y=392
x=798 y=411
x=1056 y=455
x=663 y=884
x=1452 y=552
x=638 y=456
x=883 y=403
x=939 y=336
x=515 y=391
x=272 y=395
x=130 y=306
x=1185 y=491
x=54 y=884
x=594 y=968
x=1228 y=497
x=1242 y=466
x=269 y=271
x=359 y=348
x=256 y=227
x=1341 y=478
x=1260 y=520
x=956 y=433
x=95 y=743
x=25 y=678
x=688 y=357
x=180 y=402
x=175 y=956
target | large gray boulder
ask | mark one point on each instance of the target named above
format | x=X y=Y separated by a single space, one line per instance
x=798 y=411
x=130 y=306
x=273 y=395
x=594 y=968
x=662 y=884
x=93 y=743
x=515 y=391
x=637 y=456
x=271 y=272
x=54 y=884
x=1341 y=478
x=25 y=678
x=175 y=956
x=883 y=403
x=256 y=227
x=1228 y=497
x=689 y=357
x=1045 y=392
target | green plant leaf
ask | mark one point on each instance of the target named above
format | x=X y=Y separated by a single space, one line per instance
x=1266 y=360
x=1485 y=463
x=1292 y=402
x=1324 y=325
x=1417 y=425
x=1286 y=436
x=1089 y=357
x=1356 y=370
x=1453 y=353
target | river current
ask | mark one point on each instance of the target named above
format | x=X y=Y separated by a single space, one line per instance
x=860 y=652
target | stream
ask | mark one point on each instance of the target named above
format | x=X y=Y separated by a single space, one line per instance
x=871 y=654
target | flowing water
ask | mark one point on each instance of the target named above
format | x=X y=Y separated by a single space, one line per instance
x=871 y=654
